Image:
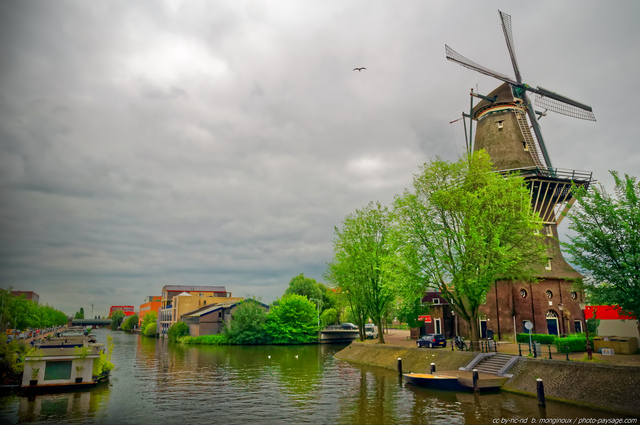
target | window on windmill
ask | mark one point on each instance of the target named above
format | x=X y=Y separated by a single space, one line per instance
x=549 y=230
x=500 y=124
x=524 y=145
x=548 y=266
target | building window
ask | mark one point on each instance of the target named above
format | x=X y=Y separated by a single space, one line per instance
x=548 y=266
x=436 y=301
x=578 y=326
x=549 y=294
x=55 y=371
x=574 y=295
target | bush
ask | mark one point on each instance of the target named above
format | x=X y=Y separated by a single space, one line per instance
x=541 y=338
x=218 y=339
x=177 y=330
x=572 y=344
x=150 y=329
x=130 y=323
x=329 y=317
x=292 y=321
x=248 y=324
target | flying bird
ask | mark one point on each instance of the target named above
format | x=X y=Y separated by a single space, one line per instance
x=359 y=69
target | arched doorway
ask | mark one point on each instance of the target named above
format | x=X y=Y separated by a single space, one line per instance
x=552 y=322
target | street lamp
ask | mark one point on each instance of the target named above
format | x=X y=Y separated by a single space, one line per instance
x=583 y=306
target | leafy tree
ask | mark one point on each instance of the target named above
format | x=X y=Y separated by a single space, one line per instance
x=329 y=317
x=150 y=317
x=304 y=286
x=362 y=257
x=150 y=329
x=292 y=321
x=177 y=331
x=130 y=322
x=462 y=228
x=18 y=312
x=116 y=319
x=607 y=243
x=410 y=310
x=248 y=323
x=79 y=314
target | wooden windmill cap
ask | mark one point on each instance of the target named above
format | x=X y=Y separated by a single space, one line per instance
x=504 y=97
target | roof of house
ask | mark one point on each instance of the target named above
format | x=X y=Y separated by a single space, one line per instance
x=218 y=306
x=62 y=352
x=183 y=288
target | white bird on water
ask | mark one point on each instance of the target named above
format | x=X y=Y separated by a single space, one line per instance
x=296 y=356
x=269 y=356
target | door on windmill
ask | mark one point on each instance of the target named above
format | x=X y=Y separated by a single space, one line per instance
x=552 y=322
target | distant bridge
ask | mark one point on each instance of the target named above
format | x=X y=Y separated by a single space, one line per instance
x=90 y=322
x=334 y=334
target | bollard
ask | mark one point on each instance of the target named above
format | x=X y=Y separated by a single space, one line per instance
x=433 y=368
x=566 y=351
x=540 y=385
x=534 y=351
x=495 y=346
x=399 y=366
x=475 y=380
x=549 y=352
x=452 y=344
x=519 y=350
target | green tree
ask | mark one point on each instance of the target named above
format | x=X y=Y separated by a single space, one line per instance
x=150 y=317
x=248 y=323
x=116 y=319
x=409 y=311
x=329 y=317
x=304 y=286
x=177 y=331
x=606 y=244
x=292 y=321
x=79 y=314
x=150 y=329
x=130 y=322
x=462 y=228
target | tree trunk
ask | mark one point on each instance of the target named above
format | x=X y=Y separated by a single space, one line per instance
x=473 y=333
x=380 y=332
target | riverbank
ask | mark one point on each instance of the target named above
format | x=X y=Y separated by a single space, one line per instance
x=609 y=387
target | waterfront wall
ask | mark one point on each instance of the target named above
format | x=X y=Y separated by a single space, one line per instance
x=598 y=386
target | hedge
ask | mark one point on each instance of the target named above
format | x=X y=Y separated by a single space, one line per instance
x=218 y=339
x=572 y=344
x=541 y=338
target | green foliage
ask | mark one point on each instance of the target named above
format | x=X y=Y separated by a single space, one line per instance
x=363 y=263
x=410 y=310
x=304 y=286
x=11 y=356
x=217 y=339
x=463 y=227
x=150 y=317
x=607 y=243
x=177 y=330
x=79 y=314
x=592 y=326
x=150 y=329
x=572 y=344
x=541 y=338
x=116 y=319
x=130 y=322
x=292 y=321
x=101 y=365
x=329 y=317
x=248 y=323
x=21 y=313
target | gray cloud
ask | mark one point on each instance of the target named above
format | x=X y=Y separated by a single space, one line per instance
x=155 y=143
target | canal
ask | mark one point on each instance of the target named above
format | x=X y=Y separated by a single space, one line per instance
x=160 y=383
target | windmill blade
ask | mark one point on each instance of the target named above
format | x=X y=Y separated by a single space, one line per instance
x=561 y=104
x=508 y=36
x=454 y=56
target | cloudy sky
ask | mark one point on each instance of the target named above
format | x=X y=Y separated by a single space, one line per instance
x=219 y=142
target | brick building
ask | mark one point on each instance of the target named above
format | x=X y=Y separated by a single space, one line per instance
x=29 y=295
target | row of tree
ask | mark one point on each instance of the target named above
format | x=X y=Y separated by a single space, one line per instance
x=16 y=312
x=462 y=227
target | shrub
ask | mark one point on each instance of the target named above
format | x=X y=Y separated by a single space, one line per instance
x=218 y=339
x=572 y=344
x=292 y=321
x=150 y=329
x=329 y=317
x=541 y=338
x=247 y=324
x=130 y=322
x=177 y=330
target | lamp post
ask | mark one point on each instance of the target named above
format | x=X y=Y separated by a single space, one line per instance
x=583 y=306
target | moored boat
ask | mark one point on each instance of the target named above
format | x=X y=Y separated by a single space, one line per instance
x=438 y=382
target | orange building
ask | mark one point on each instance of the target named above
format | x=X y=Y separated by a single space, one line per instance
x=152 y=304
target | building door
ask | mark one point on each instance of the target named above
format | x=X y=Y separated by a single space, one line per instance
x=552 y=322
x=483 y=329
x=438 y=326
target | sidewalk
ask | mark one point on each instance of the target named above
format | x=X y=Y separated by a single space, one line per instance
x=401 y=338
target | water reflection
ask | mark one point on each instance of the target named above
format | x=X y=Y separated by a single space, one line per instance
x=158 y=382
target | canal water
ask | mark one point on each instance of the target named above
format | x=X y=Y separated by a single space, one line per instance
x=156 y=382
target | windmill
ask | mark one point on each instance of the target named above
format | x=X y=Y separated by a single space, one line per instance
x=510 y=133
x=508 y=129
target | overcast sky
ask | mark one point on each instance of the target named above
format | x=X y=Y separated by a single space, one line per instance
x=154 y=142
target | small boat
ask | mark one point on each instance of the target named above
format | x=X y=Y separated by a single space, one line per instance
x=438 y=382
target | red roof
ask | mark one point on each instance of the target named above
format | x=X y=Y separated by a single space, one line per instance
x=607 y=312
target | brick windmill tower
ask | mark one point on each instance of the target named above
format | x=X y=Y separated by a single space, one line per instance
x=508 y=129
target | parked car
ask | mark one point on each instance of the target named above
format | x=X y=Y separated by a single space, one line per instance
x=348 y=326
x=370 y=331
x=432 y=340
